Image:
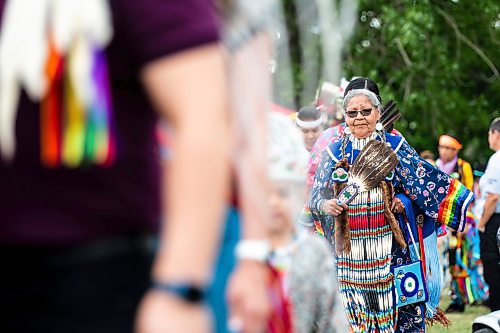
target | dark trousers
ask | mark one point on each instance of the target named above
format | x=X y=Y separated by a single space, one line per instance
x=491 y=260
x=88 y=289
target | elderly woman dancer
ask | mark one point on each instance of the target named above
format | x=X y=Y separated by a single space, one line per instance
x=368 y=239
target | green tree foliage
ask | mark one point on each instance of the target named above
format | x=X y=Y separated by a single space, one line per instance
x=439 y=60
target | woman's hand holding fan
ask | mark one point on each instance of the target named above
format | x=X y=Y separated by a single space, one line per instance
x=333 y=207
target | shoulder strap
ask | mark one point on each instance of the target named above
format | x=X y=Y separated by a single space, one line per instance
x=411 y=236
x=420 y=225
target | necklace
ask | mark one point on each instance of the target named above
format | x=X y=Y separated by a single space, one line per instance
x=359 y=144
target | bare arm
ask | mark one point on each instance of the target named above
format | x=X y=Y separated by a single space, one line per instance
x=489 y=208
x=189 y=89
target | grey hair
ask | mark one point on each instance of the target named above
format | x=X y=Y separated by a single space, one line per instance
x=371 y=96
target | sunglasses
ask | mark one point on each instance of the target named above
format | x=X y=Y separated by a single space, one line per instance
x=354 y=113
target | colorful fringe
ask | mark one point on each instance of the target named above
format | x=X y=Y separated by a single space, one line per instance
x=467 y=285
x=306 y=218
x=433 y=273
x=319 y=228
x=458 y=196
x=366 y=283
x=439 y=318
x=76 y=131
x=433 y=266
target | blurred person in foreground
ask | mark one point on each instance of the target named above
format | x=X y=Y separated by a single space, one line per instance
x=303 y=261
x=455 y=246
x=80 y=181
x=488 y=210
x=310 y=122
x=371 y=234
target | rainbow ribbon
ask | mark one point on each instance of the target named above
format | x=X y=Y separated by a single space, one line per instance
x=453 y=209
x=77 y=131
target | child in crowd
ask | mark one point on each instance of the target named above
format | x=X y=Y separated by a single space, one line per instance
x=304 y=262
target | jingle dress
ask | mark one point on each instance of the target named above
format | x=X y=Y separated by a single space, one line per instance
x=365 y=278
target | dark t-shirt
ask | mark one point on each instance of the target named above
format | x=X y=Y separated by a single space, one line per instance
x=41 y=206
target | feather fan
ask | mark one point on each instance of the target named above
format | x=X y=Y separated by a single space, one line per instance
x=373 y=164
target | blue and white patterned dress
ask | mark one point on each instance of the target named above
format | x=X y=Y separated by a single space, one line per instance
x=365 y=279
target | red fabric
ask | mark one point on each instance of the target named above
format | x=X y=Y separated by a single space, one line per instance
x=280 y=320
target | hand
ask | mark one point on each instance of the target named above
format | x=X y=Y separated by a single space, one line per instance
x=332 y=207
x=481 y=226
x=397 y=206
x=249 y=304
x=160 y=312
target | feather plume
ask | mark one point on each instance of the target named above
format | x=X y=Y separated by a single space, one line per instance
x=389 y=115
x=439 y=318
x=373 y=164
x=387 y=190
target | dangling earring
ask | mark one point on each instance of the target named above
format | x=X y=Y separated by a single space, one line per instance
x=379 y=127
x=347 y=131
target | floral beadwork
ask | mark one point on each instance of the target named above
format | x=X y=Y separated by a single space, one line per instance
x=340 y=175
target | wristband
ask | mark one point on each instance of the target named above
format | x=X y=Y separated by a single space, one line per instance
x=187 y=292
x=253 y=249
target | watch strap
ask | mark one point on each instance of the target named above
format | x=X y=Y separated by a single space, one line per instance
x=190 y=293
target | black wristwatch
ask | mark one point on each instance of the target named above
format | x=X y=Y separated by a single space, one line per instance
x=187 y=292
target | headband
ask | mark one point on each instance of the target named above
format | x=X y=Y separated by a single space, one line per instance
x=368 y=93
x=308 y=124
x=450 y=142
x=286 y=154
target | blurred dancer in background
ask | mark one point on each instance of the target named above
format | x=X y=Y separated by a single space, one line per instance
x=449 y=162
x=310 y=122
x=327 y=100
x=455 y=245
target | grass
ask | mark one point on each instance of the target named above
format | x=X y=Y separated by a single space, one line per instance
x=461 y=322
